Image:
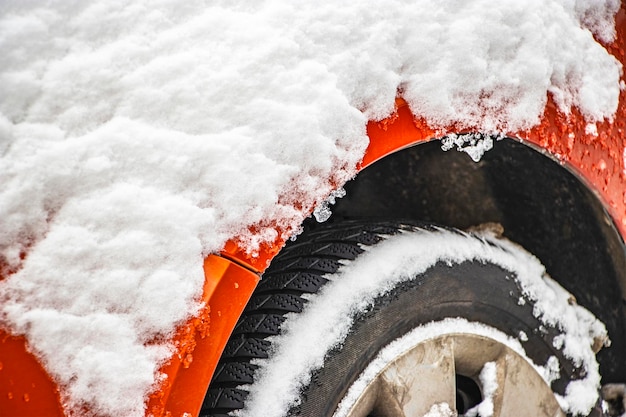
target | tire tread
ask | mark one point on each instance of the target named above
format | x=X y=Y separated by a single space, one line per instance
x=299 y=269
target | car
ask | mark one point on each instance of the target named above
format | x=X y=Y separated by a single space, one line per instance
x=468 y=268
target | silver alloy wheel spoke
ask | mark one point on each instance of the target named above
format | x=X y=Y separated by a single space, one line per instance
x=423 y=376
x=500 y=405
x=388 y=404
x=513 y=379
x=368 y=400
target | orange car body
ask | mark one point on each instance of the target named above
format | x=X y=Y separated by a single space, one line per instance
x=599 y=160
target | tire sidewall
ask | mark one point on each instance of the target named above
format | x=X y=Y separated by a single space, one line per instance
x=475 y=291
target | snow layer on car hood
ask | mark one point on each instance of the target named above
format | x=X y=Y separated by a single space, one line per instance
x=137 y=137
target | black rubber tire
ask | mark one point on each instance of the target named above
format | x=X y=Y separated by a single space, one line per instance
x=443 y=291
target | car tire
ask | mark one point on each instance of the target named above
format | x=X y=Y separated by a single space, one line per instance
x=470 y=290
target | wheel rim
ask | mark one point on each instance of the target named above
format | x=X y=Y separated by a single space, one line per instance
x=441 y=376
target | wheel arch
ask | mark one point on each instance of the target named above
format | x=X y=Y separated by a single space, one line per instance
x=540 y=203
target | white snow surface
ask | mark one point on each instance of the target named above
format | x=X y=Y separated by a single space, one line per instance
x=475 y=145
x=440 y=410
x=328 y=316
x=489 y=386
x=136 y=137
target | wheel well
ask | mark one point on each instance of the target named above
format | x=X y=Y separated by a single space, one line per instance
x=541 y=205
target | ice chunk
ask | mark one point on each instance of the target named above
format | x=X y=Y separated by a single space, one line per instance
x=322 y=211
x=473 y=144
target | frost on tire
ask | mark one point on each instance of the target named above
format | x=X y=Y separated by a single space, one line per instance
x=336 y=299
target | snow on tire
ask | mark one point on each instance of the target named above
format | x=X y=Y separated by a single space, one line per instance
x=392 y=319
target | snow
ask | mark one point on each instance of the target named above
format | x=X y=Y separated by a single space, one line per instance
x=591 y=129
x=440 y=410
x=551 y=370
x=323 y=212
x=399 y=258
x=137 y=137
x=473 y=144
x=489 y=385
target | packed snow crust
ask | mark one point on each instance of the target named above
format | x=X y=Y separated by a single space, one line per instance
x=489 y=385
x=328 y=316
x=136 y=137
